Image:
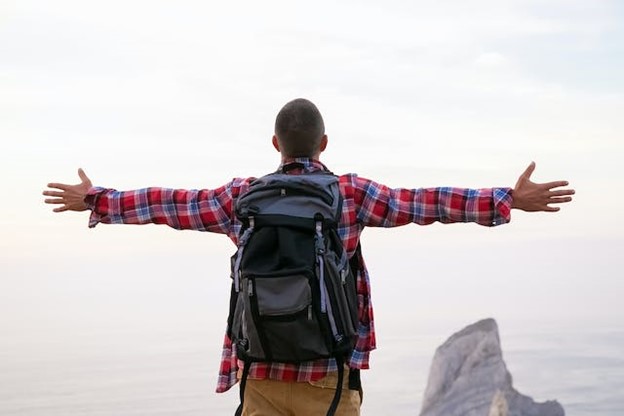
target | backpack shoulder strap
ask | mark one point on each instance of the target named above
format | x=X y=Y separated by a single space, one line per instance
x=243 y=384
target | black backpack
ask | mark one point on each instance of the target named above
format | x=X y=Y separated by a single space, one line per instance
x=293 y=295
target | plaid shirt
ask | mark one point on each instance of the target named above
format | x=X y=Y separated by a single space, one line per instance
x=366 y=204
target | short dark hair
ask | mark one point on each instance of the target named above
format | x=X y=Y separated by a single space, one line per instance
x=299 y=128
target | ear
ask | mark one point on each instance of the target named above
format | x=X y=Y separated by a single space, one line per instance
x=275 y=142
x=323 y=145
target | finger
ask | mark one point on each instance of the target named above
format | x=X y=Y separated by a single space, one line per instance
x=559 y=200
x=550 y=209
x=554 y=184
x=54 y=201
x=528 y=171
x=83 y=176
x=60 y=209
x=562 y=192
x=53 y=193
x=61 y=186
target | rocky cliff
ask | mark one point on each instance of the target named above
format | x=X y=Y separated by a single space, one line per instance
x=468 y=377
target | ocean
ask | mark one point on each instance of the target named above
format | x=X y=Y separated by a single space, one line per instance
x=166 y=368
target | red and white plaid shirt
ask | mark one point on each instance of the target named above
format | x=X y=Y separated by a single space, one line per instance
x=366 y=204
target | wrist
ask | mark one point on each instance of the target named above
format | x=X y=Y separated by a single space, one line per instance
x=514 y=202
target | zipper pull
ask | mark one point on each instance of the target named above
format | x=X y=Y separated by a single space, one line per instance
x=250 y=288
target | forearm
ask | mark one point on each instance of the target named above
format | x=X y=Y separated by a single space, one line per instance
x=177 y=208
x=381 y=206
x=488 y=206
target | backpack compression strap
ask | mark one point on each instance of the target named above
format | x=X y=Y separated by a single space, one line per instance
x=355 y=382
x=242 y=243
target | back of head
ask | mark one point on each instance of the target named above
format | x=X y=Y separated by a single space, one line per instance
x=299 y=128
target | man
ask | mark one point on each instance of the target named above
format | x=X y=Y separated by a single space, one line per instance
x=307 y=389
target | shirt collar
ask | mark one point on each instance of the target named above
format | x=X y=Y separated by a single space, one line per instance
x=308 y=164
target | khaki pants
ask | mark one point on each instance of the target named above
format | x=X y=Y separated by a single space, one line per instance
x=278 y=398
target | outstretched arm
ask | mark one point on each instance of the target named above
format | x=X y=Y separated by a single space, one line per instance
x=70 y=197
x=380 y=206
x=533 y=197
x=187 y=209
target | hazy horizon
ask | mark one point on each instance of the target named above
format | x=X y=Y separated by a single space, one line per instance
x=414 y=94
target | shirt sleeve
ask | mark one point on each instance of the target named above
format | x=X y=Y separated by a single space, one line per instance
x=202 y=210
x=381 y=206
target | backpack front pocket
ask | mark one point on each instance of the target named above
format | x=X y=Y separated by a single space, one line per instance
x=282 y=295
x=281 y=308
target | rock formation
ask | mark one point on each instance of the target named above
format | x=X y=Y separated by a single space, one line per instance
x=468 y=377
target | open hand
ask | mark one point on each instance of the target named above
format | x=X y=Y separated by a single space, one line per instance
x=532 y=197
x=71 y=197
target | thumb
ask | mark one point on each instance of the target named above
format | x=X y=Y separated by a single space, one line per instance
x=526 y=175
x=83 y=177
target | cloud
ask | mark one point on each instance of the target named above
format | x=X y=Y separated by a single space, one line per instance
x=490 y=59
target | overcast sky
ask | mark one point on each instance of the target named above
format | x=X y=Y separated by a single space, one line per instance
x=414 y=94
